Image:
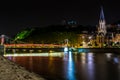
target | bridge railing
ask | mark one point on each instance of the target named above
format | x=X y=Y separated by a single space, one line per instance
x=32 y=45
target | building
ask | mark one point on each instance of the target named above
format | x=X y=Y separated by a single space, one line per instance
x=101 y=35
x=106 y=36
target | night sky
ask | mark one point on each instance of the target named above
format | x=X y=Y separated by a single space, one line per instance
x=15 y=16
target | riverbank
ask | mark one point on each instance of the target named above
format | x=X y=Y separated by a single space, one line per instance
x=11 y=71
x=99 y=50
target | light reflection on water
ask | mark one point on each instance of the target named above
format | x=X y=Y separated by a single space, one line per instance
x=71 y=68
x=82 y=66
x=116 y=60
x=83 y=57
x=88 y=65
x=31 y=63
x=109 y=56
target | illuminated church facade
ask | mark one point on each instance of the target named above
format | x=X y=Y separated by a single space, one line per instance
x=102 y=38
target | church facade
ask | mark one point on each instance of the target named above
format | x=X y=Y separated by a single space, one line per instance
x=103 y=38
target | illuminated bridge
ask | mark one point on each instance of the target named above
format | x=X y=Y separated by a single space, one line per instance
x=32 y=48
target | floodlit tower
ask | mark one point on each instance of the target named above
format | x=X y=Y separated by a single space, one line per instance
x=102 y=24
x=101 y=29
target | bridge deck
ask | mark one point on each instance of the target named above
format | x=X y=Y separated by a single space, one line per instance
x=32 y=45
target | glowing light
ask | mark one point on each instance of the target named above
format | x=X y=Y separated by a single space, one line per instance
x=90 y=67
x=116 y=60
x=82 y=50
x=71 y=68
x=83 y=57
x=23 y=34
x=31 y=45
x=108 y=55
x=83 y=54
x=90 y=57
x=66 y=49
x=90 y=54
x=58 y=54
x=70 y=56
x=84 y=44
x=90 y=37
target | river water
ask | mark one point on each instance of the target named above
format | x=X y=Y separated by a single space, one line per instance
x=73 y=66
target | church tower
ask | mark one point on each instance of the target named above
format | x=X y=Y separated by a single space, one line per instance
x=102 y=24
x=101 y=29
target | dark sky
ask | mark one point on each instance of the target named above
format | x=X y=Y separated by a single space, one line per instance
x=15 y=16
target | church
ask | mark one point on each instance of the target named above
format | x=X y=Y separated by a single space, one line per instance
x=104 y=37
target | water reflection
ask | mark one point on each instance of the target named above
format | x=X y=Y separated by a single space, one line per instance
x=116 y=60
x=83 y=58
x=88 y=68
x=109 y=56
x=119 y=69
x=65 y=57
x=70 y=68
x=79 y=66
x=90 y=58
x=31 y=63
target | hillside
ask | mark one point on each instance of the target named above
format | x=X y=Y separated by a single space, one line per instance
x=53 y=34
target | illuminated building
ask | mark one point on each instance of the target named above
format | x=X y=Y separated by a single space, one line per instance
x=101 y=30
x=4 y=39
x=102 y=24
x=98 y=39
x=77 y=35
x=70 y=23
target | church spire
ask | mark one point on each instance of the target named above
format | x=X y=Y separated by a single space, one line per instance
x=102 y=14
x=102 y=24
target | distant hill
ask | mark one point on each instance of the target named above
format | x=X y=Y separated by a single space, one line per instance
x=53 y=33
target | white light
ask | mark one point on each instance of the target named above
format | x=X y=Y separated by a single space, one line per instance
x=90 y=57
x=90 y=37
x=70 y=56
x=90 y=54
x=65 y=49
x=108 y=55
x=59 y=54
